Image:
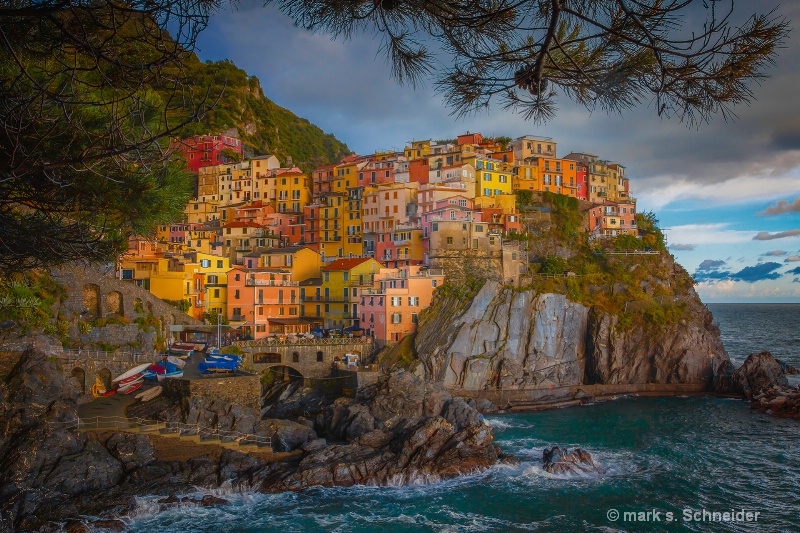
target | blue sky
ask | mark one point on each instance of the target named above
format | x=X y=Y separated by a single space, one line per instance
x=707 y=185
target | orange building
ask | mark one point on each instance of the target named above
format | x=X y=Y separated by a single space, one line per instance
x=264 y=301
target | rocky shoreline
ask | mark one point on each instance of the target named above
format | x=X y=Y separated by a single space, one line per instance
x=400 y=430
x=396 y=431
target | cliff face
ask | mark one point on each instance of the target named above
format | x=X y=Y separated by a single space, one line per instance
x=511 y=340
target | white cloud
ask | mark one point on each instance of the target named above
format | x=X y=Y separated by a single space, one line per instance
x=739 y=291
x=662 y=191
x=707 y=234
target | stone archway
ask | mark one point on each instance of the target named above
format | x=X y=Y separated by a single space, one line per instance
x=78 y=376
x=91 y=300
x=115 y=303
x=105 y=377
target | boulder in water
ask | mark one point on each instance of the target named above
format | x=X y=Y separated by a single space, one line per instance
x=563 y=461
x=758 y=373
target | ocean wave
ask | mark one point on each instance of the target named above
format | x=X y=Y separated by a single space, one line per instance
x=499 y=423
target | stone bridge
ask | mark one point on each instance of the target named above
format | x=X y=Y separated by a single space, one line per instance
x=309 y=359
x=84 y=366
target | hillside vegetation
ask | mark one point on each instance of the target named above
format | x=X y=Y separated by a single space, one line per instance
x=241 y=104
x=638 y=288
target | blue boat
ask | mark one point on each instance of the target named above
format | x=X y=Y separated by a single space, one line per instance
x=214 y=366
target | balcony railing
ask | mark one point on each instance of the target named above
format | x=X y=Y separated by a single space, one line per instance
x=273 y=301
x=250 y=282
x=237 y=318
x=314 y=298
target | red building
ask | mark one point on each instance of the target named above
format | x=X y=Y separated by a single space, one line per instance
x=580 y=178
x=207 y=150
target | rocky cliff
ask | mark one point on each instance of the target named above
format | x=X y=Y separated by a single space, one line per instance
x=508 y=339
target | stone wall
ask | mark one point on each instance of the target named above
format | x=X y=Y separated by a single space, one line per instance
x=95 y=297
x=242 y=390
x=504 y=265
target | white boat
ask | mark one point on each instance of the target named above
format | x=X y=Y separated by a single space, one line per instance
x=132 y=372
x=177 y=361
x=149 y=394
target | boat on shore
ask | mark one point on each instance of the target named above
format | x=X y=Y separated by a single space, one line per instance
x=181 y=350
x=132 y=372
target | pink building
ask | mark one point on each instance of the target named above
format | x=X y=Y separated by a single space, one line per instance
x=390 y=310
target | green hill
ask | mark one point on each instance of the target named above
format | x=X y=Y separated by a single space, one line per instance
x=260 y=122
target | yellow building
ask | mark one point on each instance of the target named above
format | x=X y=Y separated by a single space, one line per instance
x=342 y=282
x=204 y=239
x=292 y=192
x=525 y=177
x=491 y=177
x=418 y=149
x=506 y=202
x=185 y=278
x=300 y=261
x=200 y=212
x=352 y=239
x=331 y=224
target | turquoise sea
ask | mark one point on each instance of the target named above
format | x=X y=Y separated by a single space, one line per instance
x=667 y=455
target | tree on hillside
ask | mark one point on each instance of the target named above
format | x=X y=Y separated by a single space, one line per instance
x=688 y=56
x=91 y=92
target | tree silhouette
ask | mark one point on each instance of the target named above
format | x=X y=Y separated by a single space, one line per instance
x=91 y=92
x=688 y=56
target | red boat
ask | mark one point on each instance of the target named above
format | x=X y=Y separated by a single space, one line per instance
x=158 y=369
x=110 y=392
x=131 y=379
x=133 y=388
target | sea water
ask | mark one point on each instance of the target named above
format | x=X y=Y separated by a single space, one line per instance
x=667 y=464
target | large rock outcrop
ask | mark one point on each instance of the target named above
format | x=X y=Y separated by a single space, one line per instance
x=397 y=431
x=522 y=340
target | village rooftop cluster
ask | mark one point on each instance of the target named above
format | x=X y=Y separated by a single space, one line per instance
x=360 y=245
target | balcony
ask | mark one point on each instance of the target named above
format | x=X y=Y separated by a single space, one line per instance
x=251 y=282
x=237 y=318
x=273 y=301
x=314 y=298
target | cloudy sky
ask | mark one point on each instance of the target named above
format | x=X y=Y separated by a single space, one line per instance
x=728 y=193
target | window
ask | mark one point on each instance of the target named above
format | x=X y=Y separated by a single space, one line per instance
x=413 y=301
x=487 y=176
x=263 y=358
x=449 y=240
x=205 y=263
x=414 y=318
x=236 y=294
x=397 y=318
x=295 y=357
x=320 y=357
x=216 y=293
x=397 y=301
x=219 y=261
x=434 y=283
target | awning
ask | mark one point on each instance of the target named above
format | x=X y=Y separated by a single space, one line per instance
x=289 y=321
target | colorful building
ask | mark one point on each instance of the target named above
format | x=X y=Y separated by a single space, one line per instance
x=389 y=310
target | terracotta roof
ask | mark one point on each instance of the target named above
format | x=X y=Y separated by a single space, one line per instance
x=347 y=263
